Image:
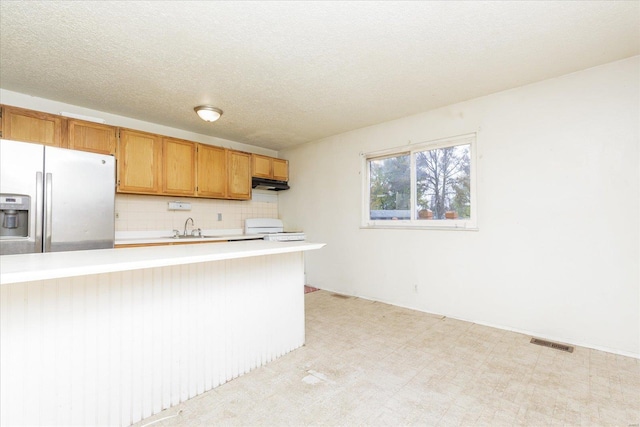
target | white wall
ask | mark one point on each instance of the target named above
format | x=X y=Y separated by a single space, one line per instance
x=557 y=251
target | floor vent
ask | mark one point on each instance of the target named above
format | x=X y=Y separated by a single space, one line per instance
x=341 y=296
x=567 y=348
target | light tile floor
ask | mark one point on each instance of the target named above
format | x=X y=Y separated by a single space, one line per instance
x=368 y=363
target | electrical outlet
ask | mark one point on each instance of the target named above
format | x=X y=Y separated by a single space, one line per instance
x=117 y=215
x=219 y=217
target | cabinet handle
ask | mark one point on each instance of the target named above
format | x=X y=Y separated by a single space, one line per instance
x=39 y=212
x=48 y=211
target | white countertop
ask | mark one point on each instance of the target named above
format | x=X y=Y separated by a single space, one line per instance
x=52 y=265
x=167 y=240
x=163 y=237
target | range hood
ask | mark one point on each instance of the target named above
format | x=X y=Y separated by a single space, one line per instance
x=269 y=184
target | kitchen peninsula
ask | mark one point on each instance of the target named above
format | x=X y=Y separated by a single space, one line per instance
x=111 y=336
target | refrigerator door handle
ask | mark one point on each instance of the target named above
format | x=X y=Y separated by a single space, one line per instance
x=38 y=214
x=48 y=212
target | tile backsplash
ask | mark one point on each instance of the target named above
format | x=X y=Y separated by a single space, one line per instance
x=146 y=213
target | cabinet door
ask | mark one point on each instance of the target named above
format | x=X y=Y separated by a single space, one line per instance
x=211 y=171
x=239 y=175
x=93 y=137
x=139 y=162
x=31 y=126
x=178 y=167
x=280 y=169
x=261 y=166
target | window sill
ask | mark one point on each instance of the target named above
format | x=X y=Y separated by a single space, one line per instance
x=419 y=227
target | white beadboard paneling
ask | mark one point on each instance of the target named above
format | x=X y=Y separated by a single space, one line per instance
x=114 y=348
x=48 y=360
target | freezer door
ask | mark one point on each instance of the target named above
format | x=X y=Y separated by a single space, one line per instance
x=79 y=200
x=21 y=172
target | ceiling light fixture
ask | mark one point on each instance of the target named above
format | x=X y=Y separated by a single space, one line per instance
x=208 y=113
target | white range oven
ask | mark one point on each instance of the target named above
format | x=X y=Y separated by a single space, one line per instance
x=272 y=229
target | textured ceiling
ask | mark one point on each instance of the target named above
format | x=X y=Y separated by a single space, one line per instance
x=290 y=72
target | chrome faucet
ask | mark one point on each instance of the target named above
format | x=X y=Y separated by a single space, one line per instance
x=184 y=233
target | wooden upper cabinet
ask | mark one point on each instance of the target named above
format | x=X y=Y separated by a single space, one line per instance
x=239 y=175
x=148 y=163
x=280 y=169
x=178 y=167
x=93 y=137
x=211 y=171
x=139 y=162
x=269 y=167
x=261 y=166
x=32 y=126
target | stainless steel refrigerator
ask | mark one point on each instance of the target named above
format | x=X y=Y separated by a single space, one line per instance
x=54 y=199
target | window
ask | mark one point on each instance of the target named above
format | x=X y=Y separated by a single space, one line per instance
x=426 y=185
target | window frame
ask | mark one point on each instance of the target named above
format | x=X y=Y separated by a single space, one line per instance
x=470 y=224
